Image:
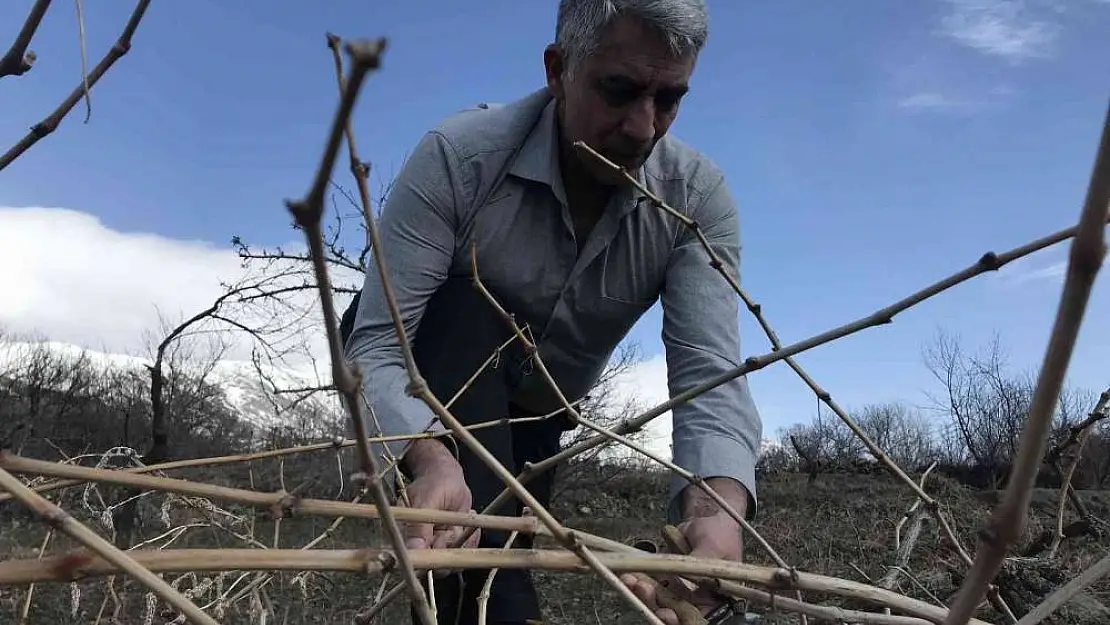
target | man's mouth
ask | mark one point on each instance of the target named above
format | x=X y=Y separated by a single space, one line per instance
x=626 y=159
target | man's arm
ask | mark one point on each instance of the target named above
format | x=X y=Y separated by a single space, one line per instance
x=417 y=230
x=717 y=434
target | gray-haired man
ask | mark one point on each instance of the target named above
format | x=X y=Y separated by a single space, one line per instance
x=575 y=253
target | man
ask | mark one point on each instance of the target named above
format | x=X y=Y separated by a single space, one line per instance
x=573 y=252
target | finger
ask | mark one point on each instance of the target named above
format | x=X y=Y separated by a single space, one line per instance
x=669 y=617
x=444 y=537
x=677 y=542
x=686 y=612
x=669 y=607
x=418 y=535
x=644 y=588
x=457 y=534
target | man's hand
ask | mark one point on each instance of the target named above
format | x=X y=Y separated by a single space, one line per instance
x=438 y=483
x=711 y=532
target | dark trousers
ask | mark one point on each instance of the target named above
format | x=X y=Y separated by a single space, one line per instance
x=458 y=332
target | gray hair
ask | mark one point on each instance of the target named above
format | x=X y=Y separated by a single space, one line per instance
x=683 y=23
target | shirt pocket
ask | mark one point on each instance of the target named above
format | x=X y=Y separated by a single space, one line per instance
x=632 y=270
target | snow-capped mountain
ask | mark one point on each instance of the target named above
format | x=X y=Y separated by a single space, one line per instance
x=248 y=389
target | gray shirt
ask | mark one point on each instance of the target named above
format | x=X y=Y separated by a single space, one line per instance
x=491 y=175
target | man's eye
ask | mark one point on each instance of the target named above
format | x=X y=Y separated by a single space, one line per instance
x=617 y=95
x=666 y=100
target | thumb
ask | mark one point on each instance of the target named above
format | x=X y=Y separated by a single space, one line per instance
x=418 y=535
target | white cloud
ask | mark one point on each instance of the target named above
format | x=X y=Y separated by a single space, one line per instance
x=645 y=383
x=940 y=102
x=930 y=100
x=71 y=278
x=1026 y=270
x=1010 y=29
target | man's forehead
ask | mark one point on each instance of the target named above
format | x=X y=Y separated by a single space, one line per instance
x=628 y=36
x=641 y=61
x=674 y=74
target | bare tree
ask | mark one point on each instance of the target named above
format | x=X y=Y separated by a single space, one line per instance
x=904 y=433
x=825 y=442
x=606 y=406
x=987 y=405
x=45 y=388
x=985 y=401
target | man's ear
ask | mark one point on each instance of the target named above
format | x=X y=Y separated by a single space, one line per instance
x=554 y=66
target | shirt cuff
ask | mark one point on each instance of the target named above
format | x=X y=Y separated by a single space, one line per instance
x=711 y=457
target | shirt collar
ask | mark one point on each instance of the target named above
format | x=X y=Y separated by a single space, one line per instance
x=538 y=160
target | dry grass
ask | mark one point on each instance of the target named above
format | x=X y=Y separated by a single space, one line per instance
x=840 y=525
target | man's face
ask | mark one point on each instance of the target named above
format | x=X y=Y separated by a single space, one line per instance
x=623 y=99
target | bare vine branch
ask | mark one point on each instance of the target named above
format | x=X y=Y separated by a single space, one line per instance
x=1088 y=249
x=17 y=60
x=50 y=123
x=308 y=212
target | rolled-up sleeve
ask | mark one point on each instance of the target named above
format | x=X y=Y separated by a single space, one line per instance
x=417 y=231
x=718 y=433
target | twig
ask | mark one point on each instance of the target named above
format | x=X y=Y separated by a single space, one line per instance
x=279 y=453
x=1098 y=413
x=17 y=60
x=84 y=58
x=913 y=508
x=1065 y=489
x=903 y=551
x=988 y=262
x=1057 y=599
x=25 y=609
x=57 y=519
x=484 y=595
x=628 y=559
x=533 y=352
x=1009 y=518
x=50 y=123
x=366 y=55
x=418 y=387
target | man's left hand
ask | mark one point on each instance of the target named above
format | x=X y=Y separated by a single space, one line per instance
x=712 y=533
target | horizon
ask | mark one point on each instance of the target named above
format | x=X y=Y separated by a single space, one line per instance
x=961 y=126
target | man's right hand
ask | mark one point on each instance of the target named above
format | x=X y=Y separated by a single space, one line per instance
x=438 y=483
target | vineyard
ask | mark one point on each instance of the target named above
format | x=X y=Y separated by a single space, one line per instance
x=210 y=524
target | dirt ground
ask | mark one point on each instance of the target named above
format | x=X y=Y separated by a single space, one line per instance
x=840 y=525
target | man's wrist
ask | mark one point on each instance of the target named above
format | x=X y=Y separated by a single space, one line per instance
x=697 y=503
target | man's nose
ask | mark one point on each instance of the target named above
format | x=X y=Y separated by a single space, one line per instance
x=639 y=122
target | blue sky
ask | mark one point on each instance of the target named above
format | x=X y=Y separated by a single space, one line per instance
x=874 y=147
